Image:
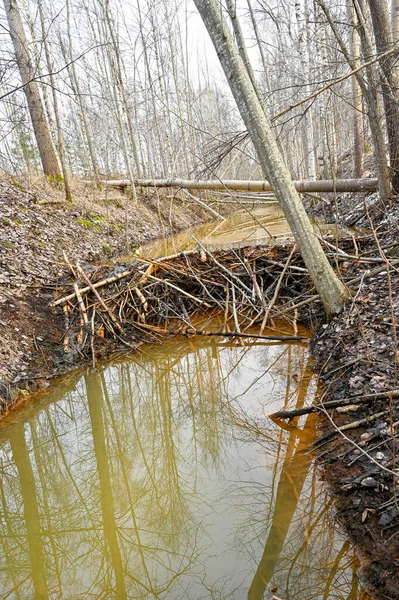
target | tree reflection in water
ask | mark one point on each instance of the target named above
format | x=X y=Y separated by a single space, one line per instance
x=163 y=477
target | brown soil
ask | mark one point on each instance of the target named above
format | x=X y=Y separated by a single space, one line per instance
x=36 y=227
x=356 y=354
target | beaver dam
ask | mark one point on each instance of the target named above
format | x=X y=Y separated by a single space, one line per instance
x=144 y=299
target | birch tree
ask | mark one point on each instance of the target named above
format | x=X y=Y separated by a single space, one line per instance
x=27 y=73
x=371 y=96
x=330 y=288
x=304 y=61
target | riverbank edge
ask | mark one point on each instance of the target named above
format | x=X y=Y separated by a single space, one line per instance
x=355 y=357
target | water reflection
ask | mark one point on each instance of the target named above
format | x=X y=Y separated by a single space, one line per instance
x=260 y=225
x=247 y=227
x=163 y=477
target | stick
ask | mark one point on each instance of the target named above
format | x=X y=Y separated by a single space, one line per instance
x=88 y=288
x=298 y=412
x=233 y=304
x=211 y=210
x=275 y=338
x=66 y=338
x=332 y=83
x=175 y=287
x=101 y=301
x=372 y=273
x=353 y=425
x=276 y=291
x=82 y=307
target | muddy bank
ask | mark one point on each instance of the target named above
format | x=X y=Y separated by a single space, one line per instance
x=357 y=359
x=37 y=228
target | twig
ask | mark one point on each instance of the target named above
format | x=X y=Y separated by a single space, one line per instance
x=276 y=291
x=353 y=425
x=298 y=412
x=88 y=288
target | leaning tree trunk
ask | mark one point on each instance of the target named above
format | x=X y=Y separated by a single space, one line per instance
x=390 y=83
x=27 y=72
x=331 y=290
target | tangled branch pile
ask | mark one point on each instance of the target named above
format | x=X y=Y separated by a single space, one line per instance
x=153 y=298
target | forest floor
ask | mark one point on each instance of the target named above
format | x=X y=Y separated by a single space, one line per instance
x=357 y=358
x=37 y=227
x=356 y=354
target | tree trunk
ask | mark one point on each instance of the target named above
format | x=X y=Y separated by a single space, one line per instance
x=31 y=89
x=302 y=23
x=79 y=94
x=239 y=36
x=331 y=290
x=395 y=20
x=370 y=94
x=390 y=84
x=358 y=133
x=266 y=69
x=376 y=113
x=61 y=152
x=303 y=186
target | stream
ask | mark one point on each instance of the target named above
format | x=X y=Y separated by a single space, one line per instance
x=161 y=475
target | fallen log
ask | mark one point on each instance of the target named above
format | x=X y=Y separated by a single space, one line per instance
x=322 y=185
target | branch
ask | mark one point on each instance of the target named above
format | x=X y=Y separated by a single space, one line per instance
x=394 y=50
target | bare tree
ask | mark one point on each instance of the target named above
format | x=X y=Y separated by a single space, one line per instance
x=358 y=137
x=302 y=22
x=395 y=19
x=61 y=152
x=371 y=96
x=27 y=72
x=390 y=82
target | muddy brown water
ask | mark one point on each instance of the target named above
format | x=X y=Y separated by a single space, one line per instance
x=244 y=227
x=260 y=225
x=162 y=476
